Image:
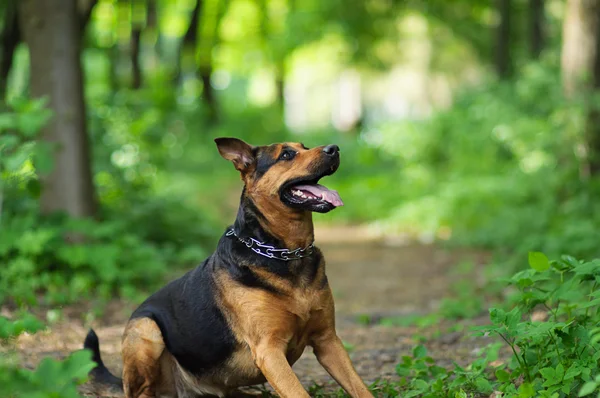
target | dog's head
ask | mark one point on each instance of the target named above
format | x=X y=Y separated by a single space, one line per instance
x=286 y=176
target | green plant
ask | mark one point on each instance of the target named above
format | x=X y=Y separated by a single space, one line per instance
x=12 y=328
x=21 y=154
x=421 y=376
x=560 y=356
x=551 y=327
x=40 y=261
x=63 y=260
x=51 y=379
x=484 y=172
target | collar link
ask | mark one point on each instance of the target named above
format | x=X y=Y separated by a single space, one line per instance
x=270 y=251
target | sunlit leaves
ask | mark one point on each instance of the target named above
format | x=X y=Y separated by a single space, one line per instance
x=538 y=261
x=50 y=379
x=554 y=356
x=12 y=328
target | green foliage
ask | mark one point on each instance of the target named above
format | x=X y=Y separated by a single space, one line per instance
x=63 y=260
x=20 y=151
x=421 y=377
x=559 y=356
x=552 y=330
x=68 y=260
x=497 y=169
x=51 y=379
x=12 y=328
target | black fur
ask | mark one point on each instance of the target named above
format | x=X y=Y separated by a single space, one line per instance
x=186 y=311
x=193 y=327
x=100 y=374
x=264 y=160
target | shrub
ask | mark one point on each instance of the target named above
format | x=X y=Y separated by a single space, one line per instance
x=51 y=379
x=39 y=260
x=559 y=356
x=554 y=357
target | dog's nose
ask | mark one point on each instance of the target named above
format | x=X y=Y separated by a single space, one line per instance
x=331 y=150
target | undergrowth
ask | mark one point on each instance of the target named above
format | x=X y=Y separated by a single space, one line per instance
x=550 y=326
x=51 y=378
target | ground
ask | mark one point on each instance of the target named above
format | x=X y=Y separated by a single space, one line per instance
x=372 y=279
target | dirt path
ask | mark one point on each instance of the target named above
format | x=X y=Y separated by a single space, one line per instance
x=371 y=279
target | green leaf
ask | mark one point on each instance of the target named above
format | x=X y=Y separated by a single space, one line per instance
x=7 y=141
x=588 y=388
x=572 y=372
x=513 y=317
x=589 y=268
x=79 y=364
x=402 y=370
x=566 y=387
x=47 y=373
x=538 y=261
x=34 y=188
x=483 y=385
x=16 y=161
x=548 y=373
x=437 y=371
x=419 y=351
x=43 y=157
x=502 y=375
x=420 y=385
x=460 y=394
x=33 y=116
x=34 y=242
x=560 y=371
x=497 y=315
x=526 y=391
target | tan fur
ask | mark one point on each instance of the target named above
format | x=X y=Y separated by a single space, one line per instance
x=272 y=329
x=297 y=230
x=278 y=328
x=143 y=367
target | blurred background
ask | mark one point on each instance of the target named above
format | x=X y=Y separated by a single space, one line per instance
x=469 y=130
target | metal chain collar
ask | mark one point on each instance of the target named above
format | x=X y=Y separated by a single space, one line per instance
x=271 y=251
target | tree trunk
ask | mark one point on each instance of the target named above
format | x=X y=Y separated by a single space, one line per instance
x=9 y=39
x=503 y=42
x=51 y=30
x=189 y=42
x=138 y=20
x=579 y=48
x=208 y=93
x=152 y=28
x=536 y=26
x=280 y=84
x=85 y=8
x=580 y=63
x=136 y=69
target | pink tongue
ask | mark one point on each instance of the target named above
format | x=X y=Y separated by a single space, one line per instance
x=322 y=192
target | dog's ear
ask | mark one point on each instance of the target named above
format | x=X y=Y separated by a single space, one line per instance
x=237 y=151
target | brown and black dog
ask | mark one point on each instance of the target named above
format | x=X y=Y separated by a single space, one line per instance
x=246 y=314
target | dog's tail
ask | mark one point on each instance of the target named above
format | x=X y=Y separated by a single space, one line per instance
x=102 y=382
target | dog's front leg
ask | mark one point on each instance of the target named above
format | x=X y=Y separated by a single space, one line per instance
x=269 y=356
x=333 y=357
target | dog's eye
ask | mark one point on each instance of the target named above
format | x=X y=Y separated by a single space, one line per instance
x=287 y=155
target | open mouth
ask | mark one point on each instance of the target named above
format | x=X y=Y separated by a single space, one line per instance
x=309 y=195
x=316 y=192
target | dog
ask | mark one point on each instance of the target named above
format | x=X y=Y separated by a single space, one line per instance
x=244 y=315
